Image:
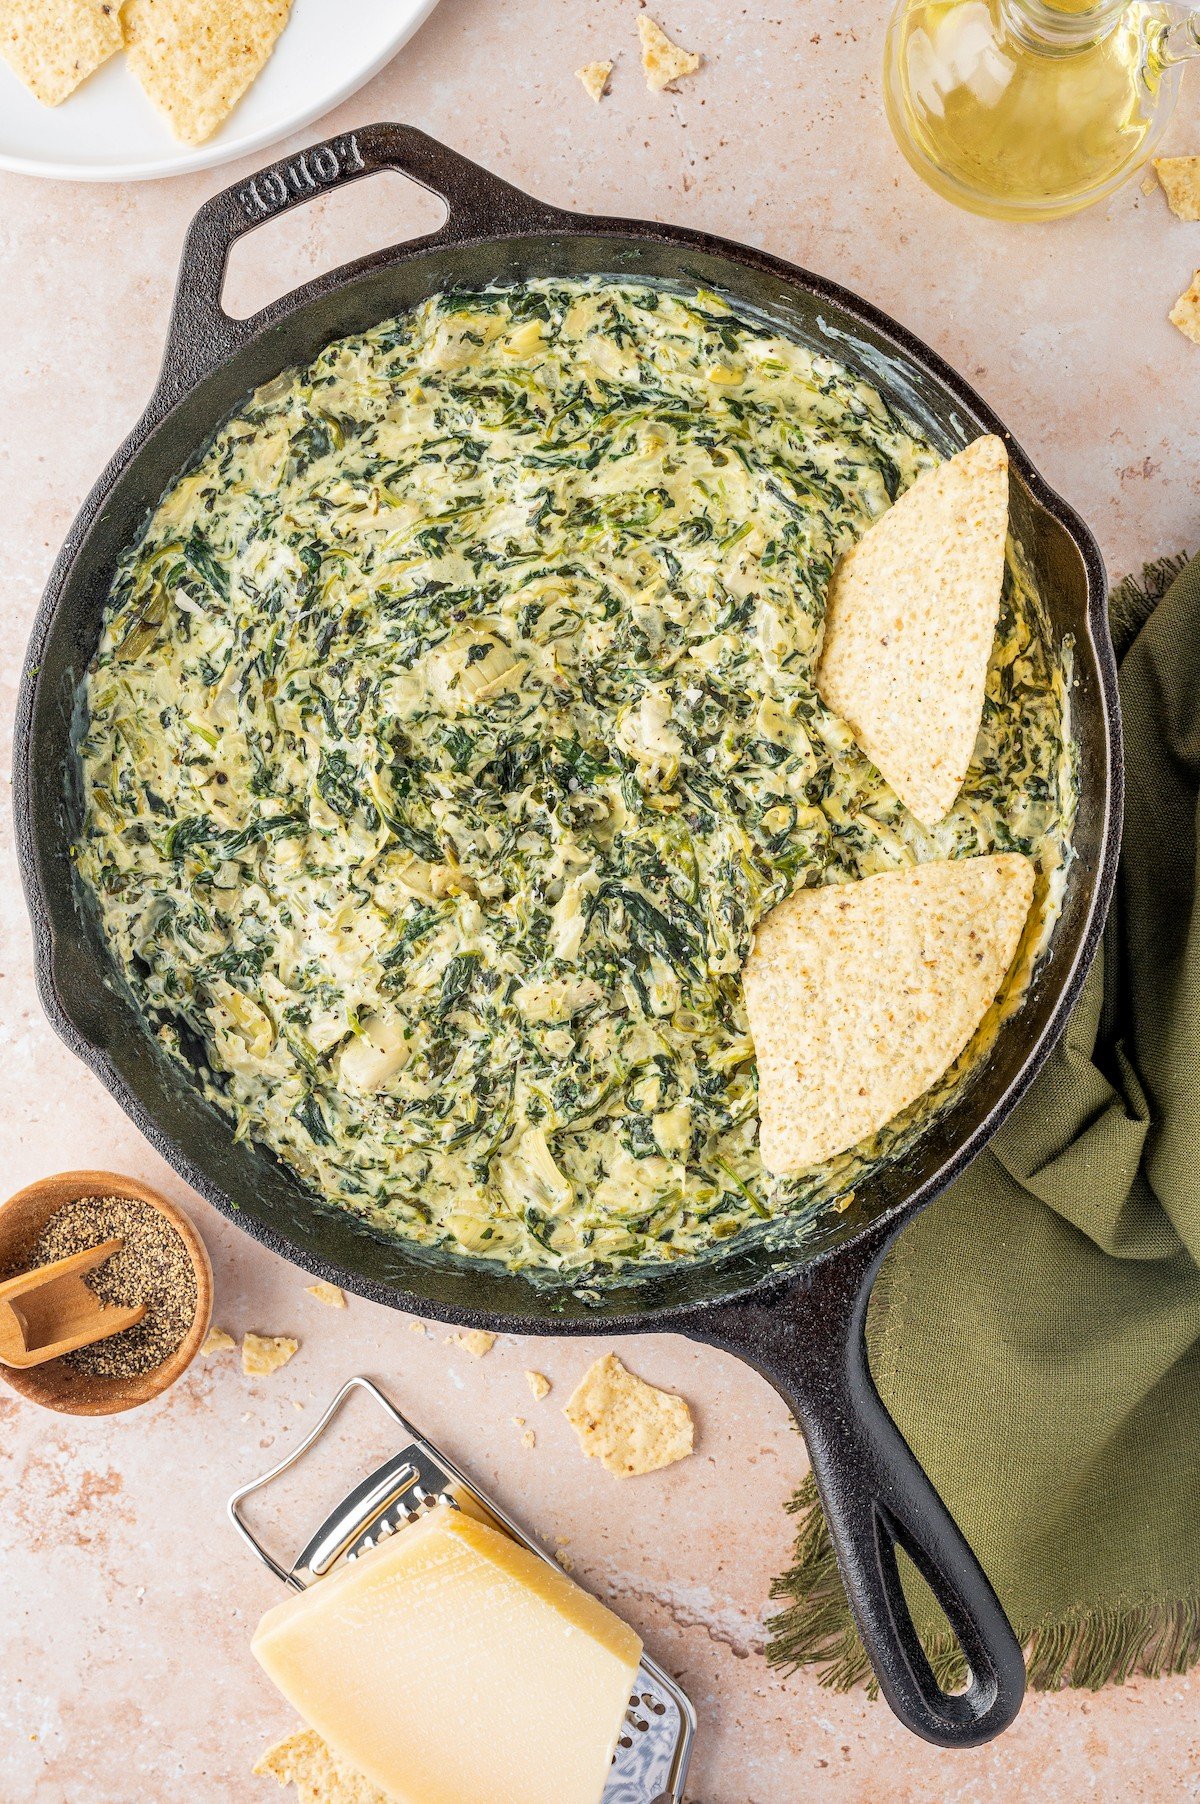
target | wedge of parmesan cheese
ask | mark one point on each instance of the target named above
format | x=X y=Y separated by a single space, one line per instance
x=451 y=1666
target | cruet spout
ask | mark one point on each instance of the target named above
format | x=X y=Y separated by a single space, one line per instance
x=1180 y=38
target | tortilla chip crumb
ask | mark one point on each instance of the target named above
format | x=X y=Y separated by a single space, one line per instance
x=54 y=48
x=538 y=1383
x=1148 y=185
x=476 y=1341
x=594 y=77
x=529 y=1439
x=415 y=1327
x=217 y=1341
x=319 y=1775
x=1180 y=178
x=195 y=62
x=1186 y=312
x=330 y=1294
x=263 y=1354
x=625 y=1423
x=663 y=61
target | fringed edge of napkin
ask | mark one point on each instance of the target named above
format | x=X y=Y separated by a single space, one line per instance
x=1086 y=1649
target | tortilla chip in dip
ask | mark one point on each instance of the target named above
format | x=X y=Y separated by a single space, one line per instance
x=54 y=48
x=909 y=624
x=862 y=995
x=196 y=58
x=1180 y=178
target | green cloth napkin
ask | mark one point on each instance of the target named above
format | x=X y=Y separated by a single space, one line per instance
x=1036 y=1331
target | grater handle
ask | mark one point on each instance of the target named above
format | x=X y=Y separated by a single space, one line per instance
x=288 y=1574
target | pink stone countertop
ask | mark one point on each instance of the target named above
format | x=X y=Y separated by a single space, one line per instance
x=128 y=1600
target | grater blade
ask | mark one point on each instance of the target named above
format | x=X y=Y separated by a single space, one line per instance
x=654 y=1748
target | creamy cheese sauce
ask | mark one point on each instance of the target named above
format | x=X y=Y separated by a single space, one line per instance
x=453 y=725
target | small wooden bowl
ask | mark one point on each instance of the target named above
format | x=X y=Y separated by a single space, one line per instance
x=57 y=1385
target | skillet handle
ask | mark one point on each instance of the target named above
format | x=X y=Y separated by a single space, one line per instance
x=808 y=1339
x=202 y=335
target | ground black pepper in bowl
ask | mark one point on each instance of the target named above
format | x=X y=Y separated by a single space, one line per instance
x=153 y=1267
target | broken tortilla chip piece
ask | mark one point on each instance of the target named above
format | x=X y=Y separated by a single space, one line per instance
x=861 y=995
x=195 y=61
x=625 y=1423
x=1180 y=178
x=263 y=1354
x=330 y=1294
x=54 y=48
x=538 y=1383
x=662 y=61
x=217 y=1340
x=909 y=624
x=594 y=77
x=1186 y=312
x=476 y=1341
x=319 y=1775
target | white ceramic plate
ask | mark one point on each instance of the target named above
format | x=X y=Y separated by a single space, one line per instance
x=107 y=131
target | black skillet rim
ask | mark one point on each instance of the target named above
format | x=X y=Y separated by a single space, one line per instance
x=673 y=1316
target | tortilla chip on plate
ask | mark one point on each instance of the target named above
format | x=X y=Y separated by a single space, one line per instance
x=909 y=624
x=1180 y=178
x=319 y=1775
x=196 y=58
x=862 y=995
x=630 y=1426
x=55 y=47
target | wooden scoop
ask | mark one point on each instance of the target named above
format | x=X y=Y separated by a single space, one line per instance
x=50 y=1311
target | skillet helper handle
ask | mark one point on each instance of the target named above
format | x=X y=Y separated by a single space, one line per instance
x=202 y=335
x=809 y=1341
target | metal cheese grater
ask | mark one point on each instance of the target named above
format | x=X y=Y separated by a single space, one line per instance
x=655 y=1745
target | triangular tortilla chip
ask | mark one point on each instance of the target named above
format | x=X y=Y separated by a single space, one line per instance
x=196 y=58
x=594 y=77
x=909 y=625
x=54 y=48
x=861 y=995
x=662 y=61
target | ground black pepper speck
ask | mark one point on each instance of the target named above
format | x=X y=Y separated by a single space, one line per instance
x=153 y=1267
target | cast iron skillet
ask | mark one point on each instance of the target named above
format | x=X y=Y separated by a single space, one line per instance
x=796 y=1317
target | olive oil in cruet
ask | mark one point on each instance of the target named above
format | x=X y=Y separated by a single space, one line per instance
x=1031 y=109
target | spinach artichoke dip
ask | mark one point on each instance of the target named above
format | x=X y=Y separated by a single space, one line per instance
x=452 y=727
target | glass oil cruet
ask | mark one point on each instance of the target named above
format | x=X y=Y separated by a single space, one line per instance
x=1031 y=109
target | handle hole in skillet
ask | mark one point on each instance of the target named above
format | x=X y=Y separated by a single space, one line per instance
x=949 y=1663
x=322 y=234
